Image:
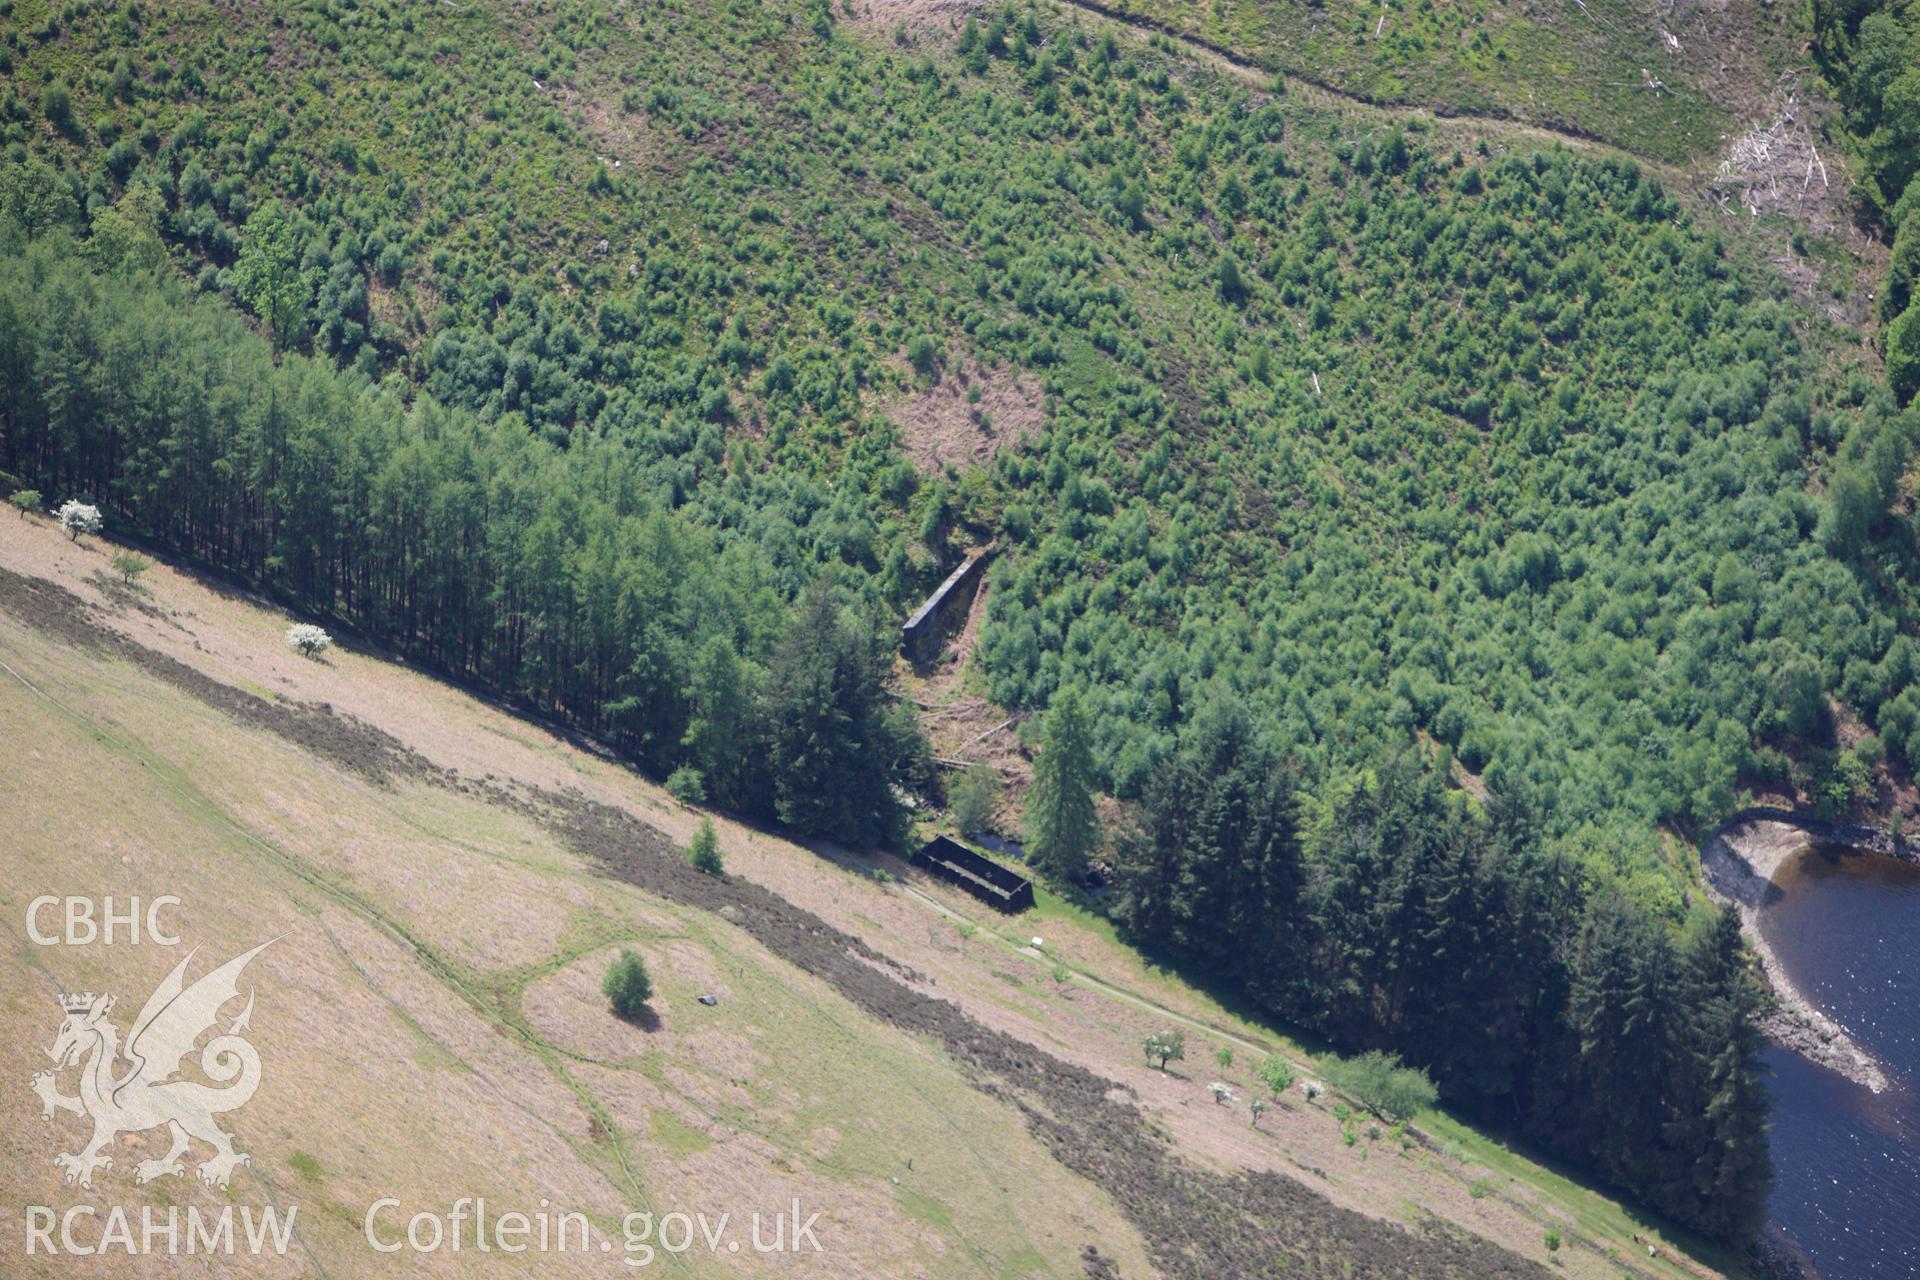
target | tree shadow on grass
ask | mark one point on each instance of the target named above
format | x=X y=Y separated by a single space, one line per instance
x=643 y=1018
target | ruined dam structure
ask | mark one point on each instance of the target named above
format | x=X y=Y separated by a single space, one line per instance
x=925 y=633
x=1841 y=835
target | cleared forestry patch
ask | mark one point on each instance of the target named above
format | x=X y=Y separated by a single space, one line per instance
x=971 y=413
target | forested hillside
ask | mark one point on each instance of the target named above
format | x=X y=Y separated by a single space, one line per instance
x=1870 y=51
x=580 y=340
x=1383 y=913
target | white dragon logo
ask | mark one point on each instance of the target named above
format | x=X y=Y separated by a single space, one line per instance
x=145 y=1094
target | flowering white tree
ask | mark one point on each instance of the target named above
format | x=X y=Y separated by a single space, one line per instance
x=78 y=517
x=308 y=639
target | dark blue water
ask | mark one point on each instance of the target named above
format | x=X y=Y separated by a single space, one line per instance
x=1847 y=1161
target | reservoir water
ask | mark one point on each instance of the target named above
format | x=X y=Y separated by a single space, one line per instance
x=1847 y=1161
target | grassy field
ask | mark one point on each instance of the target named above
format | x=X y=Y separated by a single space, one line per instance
x=430 y=1020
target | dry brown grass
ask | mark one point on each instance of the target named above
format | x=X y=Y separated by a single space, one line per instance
x=970 y=414
x=936 y=17
x=430 y=1022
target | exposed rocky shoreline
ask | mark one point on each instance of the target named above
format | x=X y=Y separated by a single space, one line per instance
x=1739 y=860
